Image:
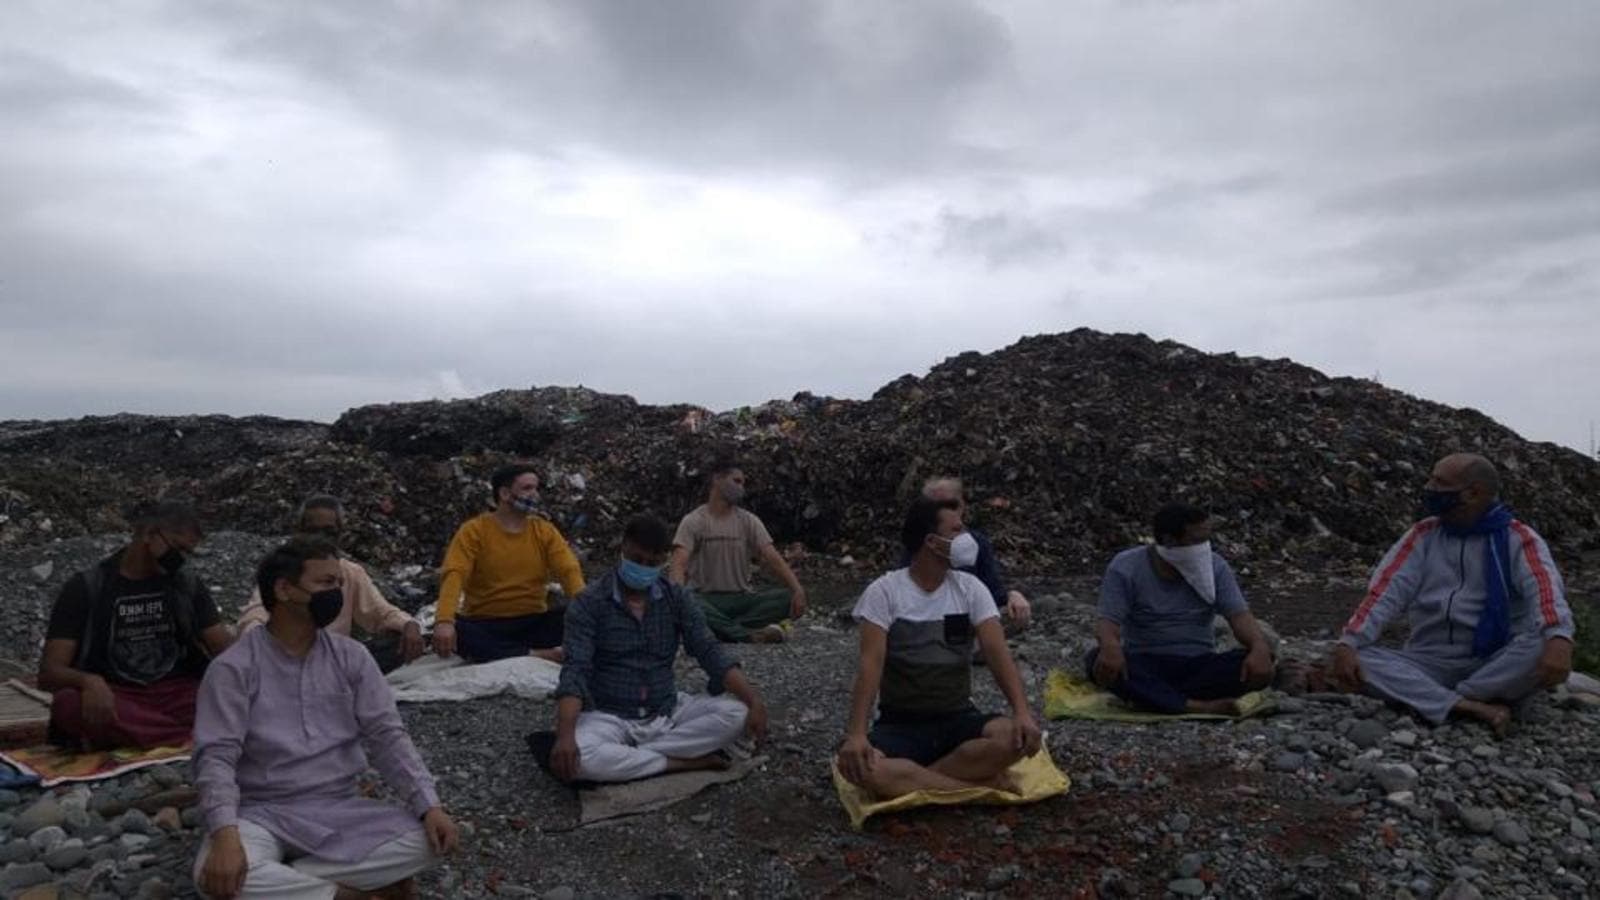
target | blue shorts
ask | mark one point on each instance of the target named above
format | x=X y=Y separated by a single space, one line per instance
x=926 y=739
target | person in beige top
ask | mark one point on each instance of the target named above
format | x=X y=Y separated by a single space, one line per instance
x=712 y=553
x=364 y=606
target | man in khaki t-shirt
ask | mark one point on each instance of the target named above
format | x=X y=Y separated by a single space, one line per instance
x=712 y=553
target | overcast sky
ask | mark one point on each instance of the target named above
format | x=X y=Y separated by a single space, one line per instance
x=294 y=208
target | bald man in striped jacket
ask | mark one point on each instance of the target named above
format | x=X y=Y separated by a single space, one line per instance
x=1489 y=619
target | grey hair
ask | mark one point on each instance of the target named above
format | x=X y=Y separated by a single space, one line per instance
x=932 y=485
x=319 y=501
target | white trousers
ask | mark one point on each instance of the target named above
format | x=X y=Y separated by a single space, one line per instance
x=1432 y=685
x=611 y=748
x=311 y=878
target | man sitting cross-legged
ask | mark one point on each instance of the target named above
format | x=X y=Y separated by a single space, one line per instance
x=286 y=723
x=917 y=626
x=129 y=638
x=492 y=598
x=1490 y=623
x=1157 y=604
x=711 y=553
x=323 y=516
x=619 y=715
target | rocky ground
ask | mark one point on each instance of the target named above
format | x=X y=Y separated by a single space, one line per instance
x=1333 y=796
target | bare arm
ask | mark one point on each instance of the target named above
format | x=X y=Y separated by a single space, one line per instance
x=756 y=718
x=740 y=687
x=856 y=756
x=217 y=638
x=869 y=676
x=678 y=571
x=1109 y=634
x=565 y=758
x=1256 y=670
x=1109 y=662
x=992 y=640
x=56 y=671
x=778 y=566
x=1248 y=632
x=567 y=711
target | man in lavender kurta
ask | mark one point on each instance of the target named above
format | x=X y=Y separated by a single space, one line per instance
x=286 y=721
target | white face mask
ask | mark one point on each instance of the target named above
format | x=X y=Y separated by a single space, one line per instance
x=1193 y=562
x=963 y=550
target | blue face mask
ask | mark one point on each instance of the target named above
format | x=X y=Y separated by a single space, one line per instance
x=638 y=576
x=1438 y=503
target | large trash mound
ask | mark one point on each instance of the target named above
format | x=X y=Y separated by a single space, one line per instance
x=1067 y=442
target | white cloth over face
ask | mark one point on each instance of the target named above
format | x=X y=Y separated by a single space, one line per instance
x=1193 y=562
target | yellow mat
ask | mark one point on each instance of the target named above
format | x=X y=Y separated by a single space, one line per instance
x=1068 y=696
x=1037 y=777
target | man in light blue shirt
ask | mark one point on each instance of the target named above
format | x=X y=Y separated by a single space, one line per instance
x=1157 y=603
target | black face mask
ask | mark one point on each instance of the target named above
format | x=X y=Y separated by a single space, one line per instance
x=1438 y=503
x=171 y=561
x=325 y=606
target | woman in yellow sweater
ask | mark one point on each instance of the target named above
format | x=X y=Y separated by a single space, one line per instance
x=492 y=602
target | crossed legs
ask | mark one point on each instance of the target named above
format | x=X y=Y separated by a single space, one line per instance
x=1439 y=686
x=977 y=761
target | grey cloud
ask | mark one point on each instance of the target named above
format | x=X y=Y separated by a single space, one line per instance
x=1444 y=252
x=33 y=87
x=1167 y=215
x=1189 y=193
x=999 y=238
x=1553 y=171
x=756 y=85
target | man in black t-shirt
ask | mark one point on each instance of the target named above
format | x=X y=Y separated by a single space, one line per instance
x=129 y=639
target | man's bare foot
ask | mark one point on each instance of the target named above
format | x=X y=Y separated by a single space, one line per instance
x=714 y=762
x=772 y=634
x=1496 y=715
x=1213 y=707
x=557 y=655
x=1003 y=782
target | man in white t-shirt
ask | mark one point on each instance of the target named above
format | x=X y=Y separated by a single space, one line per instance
x=917 y=626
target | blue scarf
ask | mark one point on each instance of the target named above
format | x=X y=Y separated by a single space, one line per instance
x=1494 y=625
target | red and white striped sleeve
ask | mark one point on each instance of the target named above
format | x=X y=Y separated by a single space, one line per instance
x=1393 y=586
x=1539 y=582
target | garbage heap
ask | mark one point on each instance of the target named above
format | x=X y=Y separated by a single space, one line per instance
x=1067 y=443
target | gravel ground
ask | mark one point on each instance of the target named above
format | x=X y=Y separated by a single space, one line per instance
x=1334 y=796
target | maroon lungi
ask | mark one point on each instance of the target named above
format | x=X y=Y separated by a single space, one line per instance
x=151 y=715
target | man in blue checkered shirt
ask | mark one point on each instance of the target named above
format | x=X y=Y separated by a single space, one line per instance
x=619 y=715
